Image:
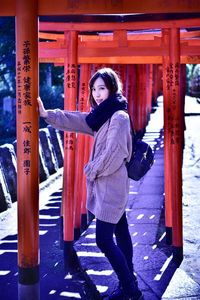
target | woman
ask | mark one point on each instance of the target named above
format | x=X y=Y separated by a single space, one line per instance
x=106 y=174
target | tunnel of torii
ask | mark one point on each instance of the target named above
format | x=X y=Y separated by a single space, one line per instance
x=135 y=47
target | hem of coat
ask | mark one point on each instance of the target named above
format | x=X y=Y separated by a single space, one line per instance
x=106 y=216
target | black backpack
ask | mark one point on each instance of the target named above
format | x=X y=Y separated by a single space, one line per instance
x=142 y=158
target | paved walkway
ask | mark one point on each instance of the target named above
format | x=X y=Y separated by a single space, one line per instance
x=94 y=278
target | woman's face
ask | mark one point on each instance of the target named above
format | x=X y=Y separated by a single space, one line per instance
x=99 y=91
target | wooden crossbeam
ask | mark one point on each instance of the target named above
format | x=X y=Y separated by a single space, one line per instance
x=109 y=48
x=77 y=7
x=112 y=26
x=109 y=37
x=100 y=37
x=189 y=59
x=190 y=34
x=52 y=52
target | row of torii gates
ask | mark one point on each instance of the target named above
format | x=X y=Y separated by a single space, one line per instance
x=133 y=48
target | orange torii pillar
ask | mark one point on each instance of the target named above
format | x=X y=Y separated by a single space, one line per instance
x=131 y=91
x=183 y=93
x=139 y=118
x=156 y=83
x=87 y=146
x=96 y=67
x=175 y=127
x=149 y=90
x=78 y=190
x=122 y=71
x=27 y=148
x=70 y=97
x=144 y=86
x=136 y=102
x=167 y=136
x=86 y=216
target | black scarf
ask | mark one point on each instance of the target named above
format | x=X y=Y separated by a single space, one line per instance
x=104 y=111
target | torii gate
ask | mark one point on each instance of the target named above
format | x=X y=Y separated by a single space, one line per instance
x=166 y=52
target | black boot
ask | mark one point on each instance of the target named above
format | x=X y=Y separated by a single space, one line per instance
x=118 y=294
x=137 y=296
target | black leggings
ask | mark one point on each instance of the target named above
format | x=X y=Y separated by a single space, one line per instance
x=119 y=255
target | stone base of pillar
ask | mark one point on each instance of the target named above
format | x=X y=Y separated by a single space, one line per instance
x=177 y=255
x=168 y=235
x=31 y=292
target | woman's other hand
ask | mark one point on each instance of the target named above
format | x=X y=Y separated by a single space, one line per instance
x=42 y=111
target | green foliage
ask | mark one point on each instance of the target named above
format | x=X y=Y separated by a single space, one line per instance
x=7 y=77
x=51 y=87
x=7 y=57
x=189 y=72
x=195 y=81
x=52 y=97
x=51 y=75
x=7 y=127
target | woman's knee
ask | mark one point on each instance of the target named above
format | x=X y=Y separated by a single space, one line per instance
x=102 y=243
x=104 y=235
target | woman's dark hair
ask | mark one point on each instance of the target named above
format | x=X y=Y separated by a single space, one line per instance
x=111 y=80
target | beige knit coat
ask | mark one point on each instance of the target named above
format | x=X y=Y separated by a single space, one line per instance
x=107 y=180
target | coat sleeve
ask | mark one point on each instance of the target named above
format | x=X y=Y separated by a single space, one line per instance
x=118 y=149
x=73 y=121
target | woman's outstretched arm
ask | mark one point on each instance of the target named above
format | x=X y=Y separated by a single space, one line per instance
x=73 y=121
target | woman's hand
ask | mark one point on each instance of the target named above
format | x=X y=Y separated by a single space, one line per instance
x=42 y=111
